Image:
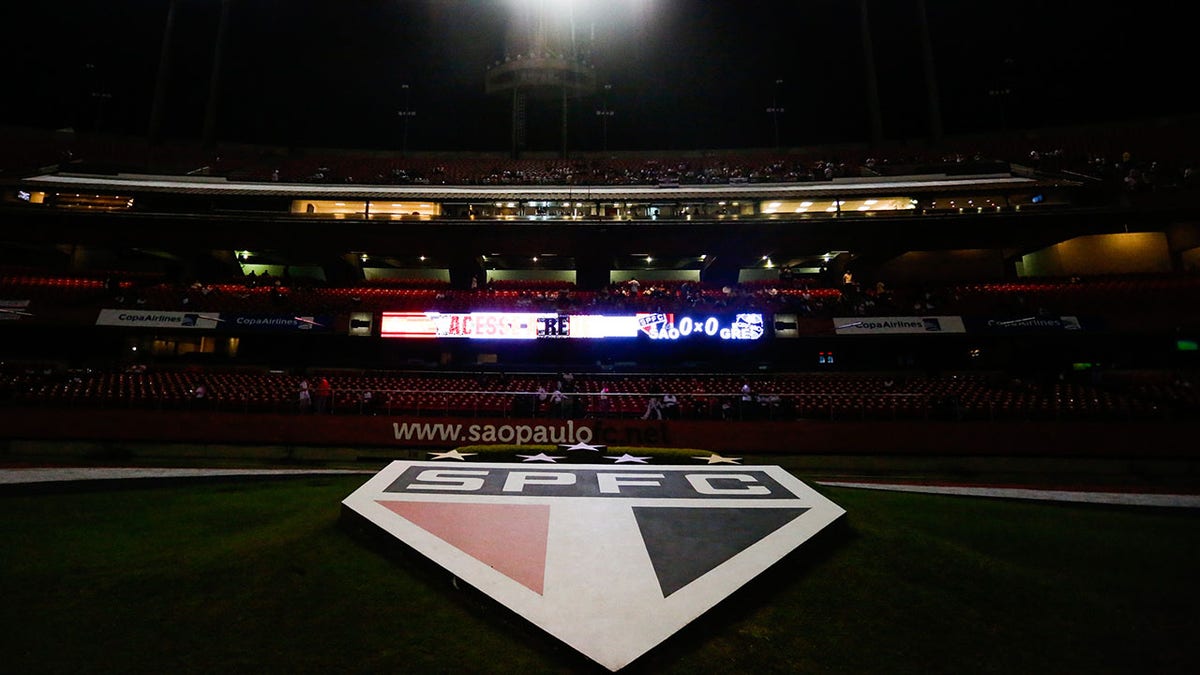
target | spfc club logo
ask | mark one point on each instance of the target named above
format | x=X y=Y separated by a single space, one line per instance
x=612 y=560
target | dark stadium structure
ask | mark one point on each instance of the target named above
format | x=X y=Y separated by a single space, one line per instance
x=1030 y=282
x=864 y=337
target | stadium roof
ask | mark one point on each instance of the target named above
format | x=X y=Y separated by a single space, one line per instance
x=221 y=186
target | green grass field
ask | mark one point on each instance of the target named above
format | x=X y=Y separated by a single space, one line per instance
x=260 y=576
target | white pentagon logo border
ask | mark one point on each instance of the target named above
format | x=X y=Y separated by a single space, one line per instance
x=610 y=559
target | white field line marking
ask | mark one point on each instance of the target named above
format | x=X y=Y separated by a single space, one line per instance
x=56 y=475
x=1121 y=498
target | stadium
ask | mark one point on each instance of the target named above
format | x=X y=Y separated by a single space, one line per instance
x=965 y=349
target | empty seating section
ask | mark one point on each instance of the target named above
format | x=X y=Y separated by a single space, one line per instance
x=814 y=396
x=1097 y=296
x=1116 y=297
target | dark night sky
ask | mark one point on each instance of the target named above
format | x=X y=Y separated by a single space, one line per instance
x=685 y=73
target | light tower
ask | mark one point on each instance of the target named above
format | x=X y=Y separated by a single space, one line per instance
x=542 y=61
x=405 y=114
x=604 y=113
x=775 y=111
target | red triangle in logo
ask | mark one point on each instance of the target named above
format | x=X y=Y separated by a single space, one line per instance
x=509 y=538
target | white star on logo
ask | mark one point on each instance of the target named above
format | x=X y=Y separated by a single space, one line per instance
x=717 y=459
x=453 y=454
x=540 y=457
x=628 y=459
x=583 y=446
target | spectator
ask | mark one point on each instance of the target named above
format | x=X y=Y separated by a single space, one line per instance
x=558 y=402
x=305 y=399
x=670 y=406
x=653 y=409
x=324 y=396
x=200 y=396
x=603 y=403
x=747 y=402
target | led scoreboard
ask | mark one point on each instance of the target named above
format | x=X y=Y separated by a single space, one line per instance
x=668 y=326
x=552 y=325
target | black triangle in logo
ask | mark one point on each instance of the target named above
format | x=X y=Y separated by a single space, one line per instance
x=685 y=543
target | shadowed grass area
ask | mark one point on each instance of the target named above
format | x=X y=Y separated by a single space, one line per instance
x=257 y=576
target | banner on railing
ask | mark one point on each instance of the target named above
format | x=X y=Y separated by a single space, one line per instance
x=793 y=326
x=361 y=324
x=1031 y=324
x=13 y=310
x=276 y=323
x=898 y=325
x=136 y=318
x=452 y=432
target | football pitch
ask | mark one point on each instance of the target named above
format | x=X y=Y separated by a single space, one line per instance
x=263 y=576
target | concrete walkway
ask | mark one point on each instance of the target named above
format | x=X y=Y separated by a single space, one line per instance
x=69 y=474
x=1119 y=498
